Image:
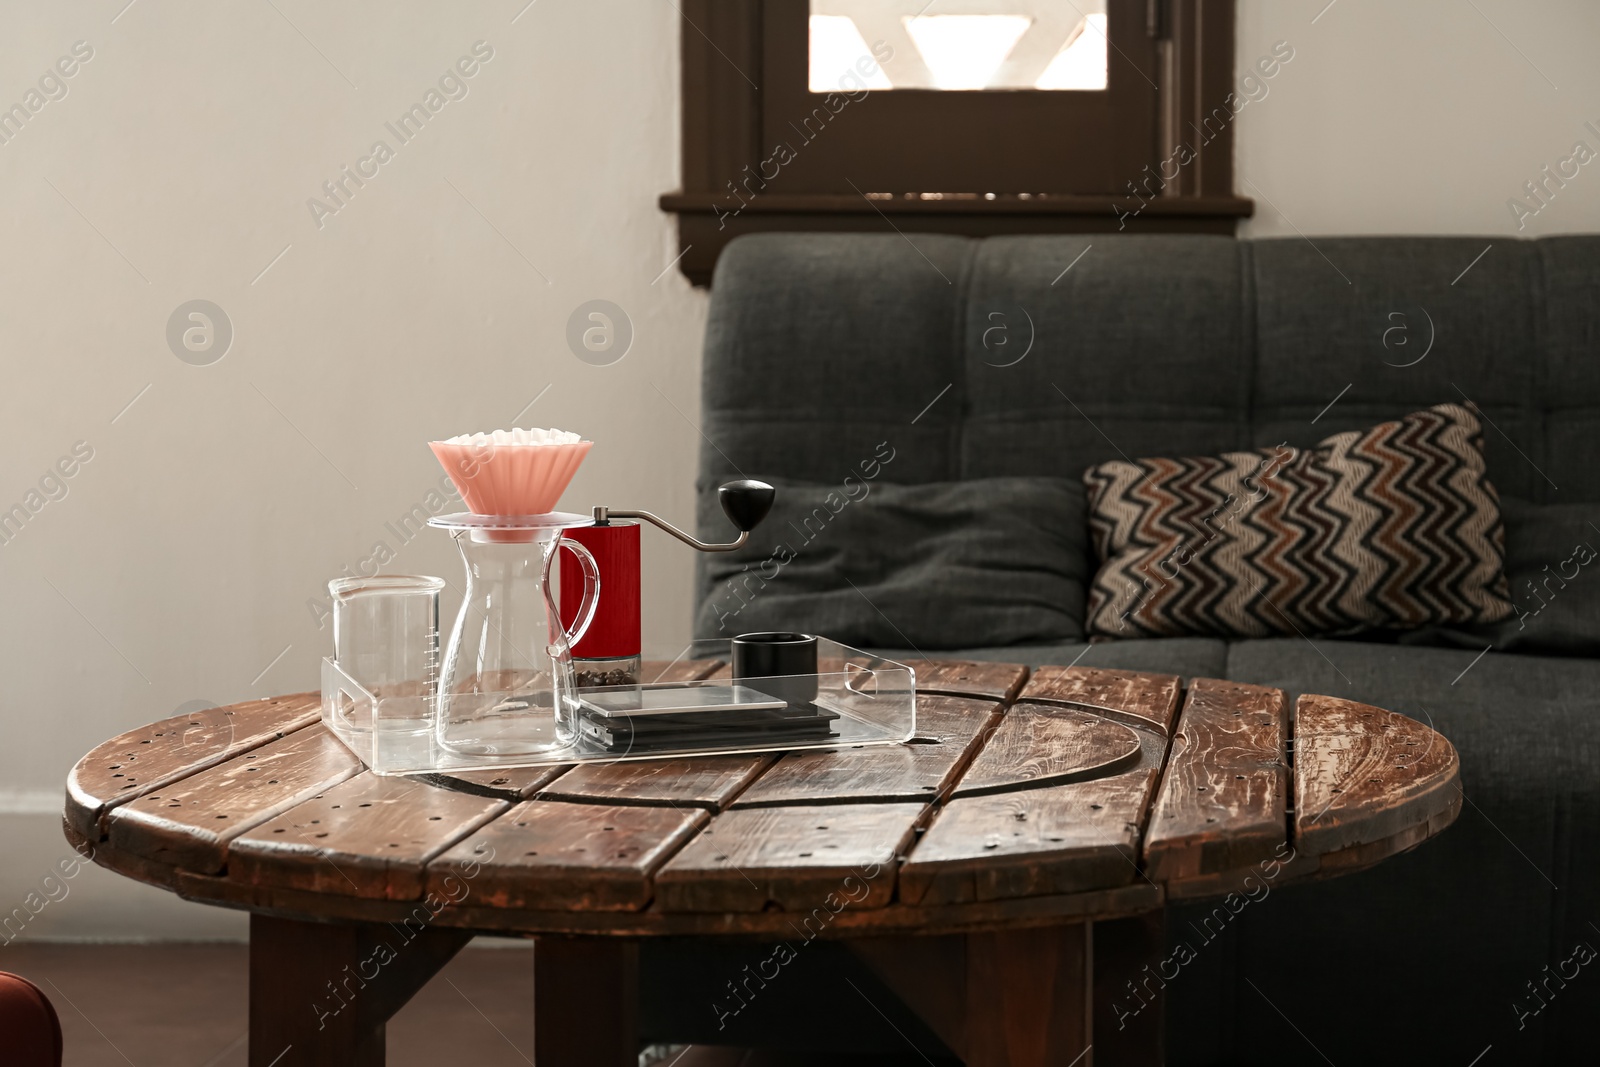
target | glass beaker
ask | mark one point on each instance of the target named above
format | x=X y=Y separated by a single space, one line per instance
x=386 y=639
x=507 y=685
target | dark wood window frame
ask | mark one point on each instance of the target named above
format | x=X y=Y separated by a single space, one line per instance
x=1185 y=186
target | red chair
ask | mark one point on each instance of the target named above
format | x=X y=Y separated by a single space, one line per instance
x=30 y=1032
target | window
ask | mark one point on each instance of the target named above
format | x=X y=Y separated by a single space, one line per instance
x=953 y=116
x=1027 y=44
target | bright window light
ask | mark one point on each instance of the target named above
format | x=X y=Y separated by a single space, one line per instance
x=1082 y=64
x=836 y=47
x=965 y=51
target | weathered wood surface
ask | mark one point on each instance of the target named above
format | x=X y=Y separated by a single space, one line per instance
x=1069 y=838
x=190 y=821
x=1369 y=853
x=550 y=854
x=1037 y=745
x=798 y=858
x=1223 y=803
x=654 y=921
x=997 y=681
x=894 y=918
x=754 y=845
x=134 y=764
x=1364 y=775
x=693 y=781
x=512 y=783
x=368 y=835
x=949 y=731
x=1126 y=696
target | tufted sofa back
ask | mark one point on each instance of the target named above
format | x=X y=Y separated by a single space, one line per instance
x=1042 y=355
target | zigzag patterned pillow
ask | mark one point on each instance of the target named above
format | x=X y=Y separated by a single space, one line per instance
x=1395 y=527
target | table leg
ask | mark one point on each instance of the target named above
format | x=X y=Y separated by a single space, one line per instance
x=1014 y=998
x=320 y=993
x=1035 y=997
x=1027 y=997
x=1129 y=991
x=585 y=1002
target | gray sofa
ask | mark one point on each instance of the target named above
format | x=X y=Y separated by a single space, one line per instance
x=819 y=347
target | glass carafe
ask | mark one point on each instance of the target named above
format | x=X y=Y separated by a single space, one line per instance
x=507 y=685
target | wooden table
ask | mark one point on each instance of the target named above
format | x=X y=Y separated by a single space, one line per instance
x=1005 y=874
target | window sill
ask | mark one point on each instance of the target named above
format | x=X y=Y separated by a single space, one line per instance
x=707 y=221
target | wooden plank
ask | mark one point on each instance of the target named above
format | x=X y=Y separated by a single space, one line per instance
x=693 y=781
x=970 y=678
x=1223 y=801
x=1128 y=696
x=1037 y=745
x=553 y=854
x=1362 y=774
x=1369 y=853
x=369 y=836
x=585 y=1002
x=511 y=783
x=949 y=731
x=1056 y=839
x=135 y=763
x=802 y=859
x=1311 y=867
x=190 y=822
x=1280 y=869
x=895 y=918
x=954 y=719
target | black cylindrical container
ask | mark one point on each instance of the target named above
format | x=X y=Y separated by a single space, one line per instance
x=785 y=663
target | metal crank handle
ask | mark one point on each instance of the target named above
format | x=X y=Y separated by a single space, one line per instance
x=745 y=502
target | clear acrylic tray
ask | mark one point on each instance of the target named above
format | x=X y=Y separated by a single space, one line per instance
x=860 y=699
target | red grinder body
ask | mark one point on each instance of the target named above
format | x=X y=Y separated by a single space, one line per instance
x=608 y=652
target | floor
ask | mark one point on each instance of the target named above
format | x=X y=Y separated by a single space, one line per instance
x=185 y=1006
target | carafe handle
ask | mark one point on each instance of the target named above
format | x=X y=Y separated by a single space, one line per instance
x=591 y=590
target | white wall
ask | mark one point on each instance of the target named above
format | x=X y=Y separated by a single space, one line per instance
x=1419 y=117
x=178 y=566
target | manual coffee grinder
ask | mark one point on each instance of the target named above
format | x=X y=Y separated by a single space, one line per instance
x=608 y=652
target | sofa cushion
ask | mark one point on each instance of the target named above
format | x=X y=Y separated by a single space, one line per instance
x=945 y=565
x=1551 y=564
x=1393 y=528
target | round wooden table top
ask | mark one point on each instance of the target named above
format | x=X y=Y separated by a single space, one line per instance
x=1028 y=797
